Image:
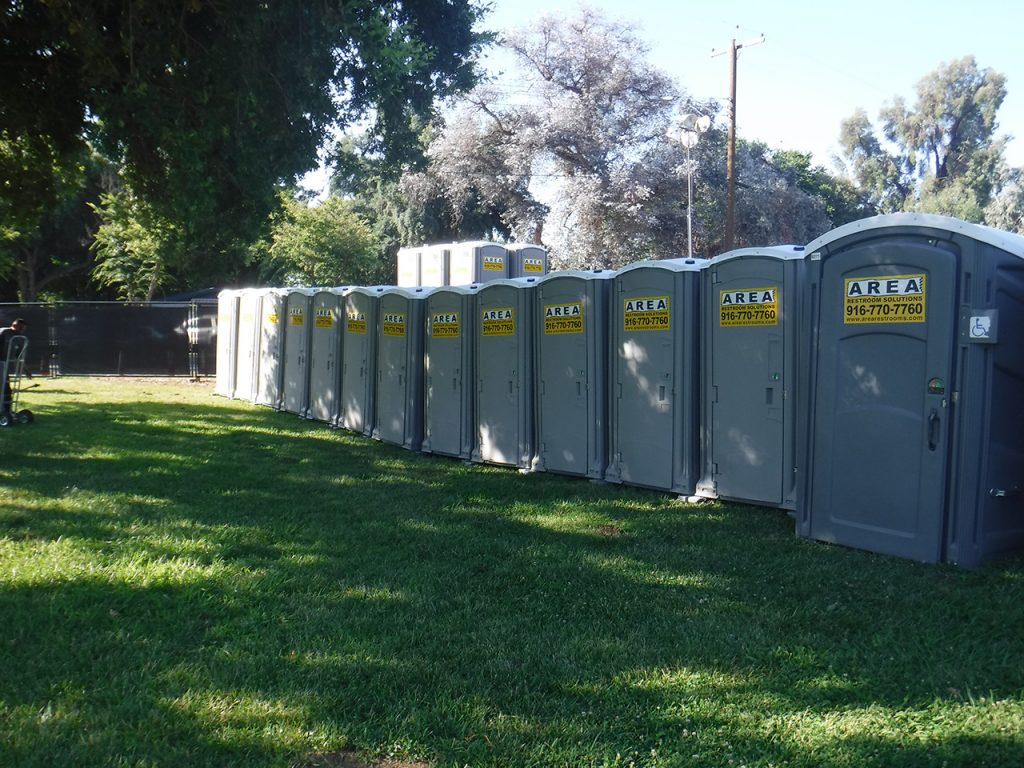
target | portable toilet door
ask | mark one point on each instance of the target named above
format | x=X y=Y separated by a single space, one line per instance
x=271 y=348
x=434 y=263
x=448 y=424
x=915 y=381
x=572 y=372
x=359 y=358
x=749 y=369
x=526 y=260
x=399 y=397
x=295 y=397
x=503 y=350
x=247 y=353
x=408 y=266
x=477 y=261
x=325 y=354
x=227 y=342
x=655 y=383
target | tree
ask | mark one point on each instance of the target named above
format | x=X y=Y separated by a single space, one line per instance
x=48 y=250
x=572 y=150
x=134 y=246
x=208 y=106
x=579 y=158
x=326 y=244
x=942 y=155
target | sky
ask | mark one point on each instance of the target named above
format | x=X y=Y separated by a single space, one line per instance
x=820 y=61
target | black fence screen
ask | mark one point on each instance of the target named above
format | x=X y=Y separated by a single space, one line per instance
x=104 y=338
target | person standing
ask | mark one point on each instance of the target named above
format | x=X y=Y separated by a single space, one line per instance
x=17 y=328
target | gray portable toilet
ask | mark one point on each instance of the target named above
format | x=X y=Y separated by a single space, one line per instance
x=434 y=263
x=915 y=380
x=503 y=352
x=399 y=398
x=655 y=384
x=526 y=260
x=408 y=266
x=448 y=423
x=359 y=357
x=227 y=342
x=325 y=354
x=295 y=376
x=477 y=261
x=749 y=370
x=572 y=372
x=271 y=348
x=247 y=350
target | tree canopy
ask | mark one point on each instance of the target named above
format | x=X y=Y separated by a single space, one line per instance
x=571 y=148
x=207 y=107
x=941 y=155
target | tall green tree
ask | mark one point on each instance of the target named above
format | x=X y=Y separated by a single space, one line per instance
x=325 y=244
x=941 y=155
x=207 y=106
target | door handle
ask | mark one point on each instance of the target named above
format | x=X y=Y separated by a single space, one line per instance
x=933 y=430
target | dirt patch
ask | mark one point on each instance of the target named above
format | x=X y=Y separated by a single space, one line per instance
x=348 y=758
x=610 y=530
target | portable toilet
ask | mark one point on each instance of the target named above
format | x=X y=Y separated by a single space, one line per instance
x=434 y=264
x=408 y=266
x=359 y=358
x=915 y=379
x=399 y=397
x=325 y=354
x=295 y=395
x=526 y=260
x=477 y=261
x=572 y=372
x=247 y=350
x=227 y=342
x=655 y=382
x=749 y=371
x=503 y=352
x=448 y=424
x=271 y=348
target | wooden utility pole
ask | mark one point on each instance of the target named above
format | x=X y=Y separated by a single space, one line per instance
x=730 y=157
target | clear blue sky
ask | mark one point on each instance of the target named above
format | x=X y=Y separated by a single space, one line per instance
x=821 y=60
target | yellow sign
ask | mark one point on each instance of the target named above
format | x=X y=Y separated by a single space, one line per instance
x=445 y=325
x=296 y=316
x=324 y=318
x=563 y=318
x=393 y=324
x=884 y=299
x=272 y=318
x=649 y=313
x=750 y=306
x=494 y=263
x=498 y=322
x=533 y=266
x=355 y=322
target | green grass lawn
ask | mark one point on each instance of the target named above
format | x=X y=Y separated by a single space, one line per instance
x=189 y=581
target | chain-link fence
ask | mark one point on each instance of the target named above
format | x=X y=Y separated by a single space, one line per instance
x=111 y=338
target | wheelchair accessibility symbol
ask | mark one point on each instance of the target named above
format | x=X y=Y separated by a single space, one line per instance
x=981 y=327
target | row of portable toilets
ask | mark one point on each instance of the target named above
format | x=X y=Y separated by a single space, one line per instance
x=872 y=382
x=475 y=261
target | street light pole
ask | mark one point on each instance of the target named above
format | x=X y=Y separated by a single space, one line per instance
x=690 y=128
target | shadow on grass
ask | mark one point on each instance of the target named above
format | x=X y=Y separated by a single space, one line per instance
x=265 y=589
